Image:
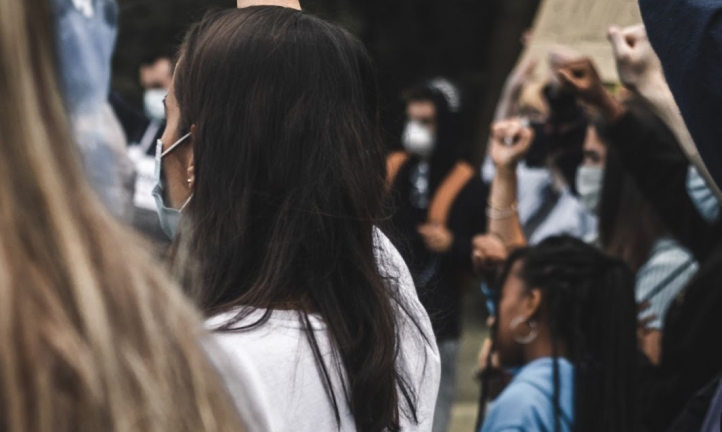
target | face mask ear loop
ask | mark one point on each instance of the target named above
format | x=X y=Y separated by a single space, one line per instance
x=177 y=143
x=186 y=203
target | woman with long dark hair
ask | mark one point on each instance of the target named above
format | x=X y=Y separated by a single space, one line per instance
x=567 y=318
x=272 y=153
x=631 y=229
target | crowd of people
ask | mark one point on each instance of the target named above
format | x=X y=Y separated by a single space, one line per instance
x=312 y=280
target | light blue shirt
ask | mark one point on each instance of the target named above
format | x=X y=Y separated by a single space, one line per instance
x=527 y=404
x=707 y=204
x=662 y=278
x=567 y=217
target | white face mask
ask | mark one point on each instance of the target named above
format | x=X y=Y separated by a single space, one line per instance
x=419 y=140
x=590 y=180
x=153 y=103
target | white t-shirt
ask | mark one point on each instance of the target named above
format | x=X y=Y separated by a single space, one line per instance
x=291 y=387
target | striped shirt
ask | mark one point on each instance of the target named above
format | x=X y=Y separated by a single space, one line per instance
x=544 y=209
x=662 y=278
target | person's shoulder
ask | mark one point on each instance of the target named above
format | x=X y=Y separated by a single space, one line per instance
x=667 y=251
x=667 y=257
x=522 y=396
x=521 y=406
x=393 y=268
x=392 y=265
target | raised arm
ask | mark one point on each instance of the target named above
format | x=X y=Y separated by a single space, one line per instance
x=687 y=36
x=641 y=71
x=658 y=165
x=510 y=140
x=293 y=4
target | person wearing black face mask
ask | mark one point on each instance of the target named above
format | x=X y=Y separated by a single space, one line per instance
x=439 y=204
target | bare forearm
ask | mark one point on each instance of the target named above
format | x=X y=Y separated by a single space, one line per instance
x=662 y=103
x=503 y=217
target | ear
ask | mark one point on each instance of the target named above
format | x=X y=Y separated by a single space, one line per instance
x=191 y=160
x=532 y=303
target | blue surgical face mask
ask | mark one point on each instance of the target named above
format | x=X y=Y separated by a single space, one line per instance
x=169 y=217
x=707 y=204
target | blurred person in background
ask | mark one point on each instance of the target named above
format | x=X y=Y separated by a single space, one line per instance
x=690 y=357
x=566 y=318
x=544 y=178
x=271 y=179
x=143 y=130
x=144 y=127
x=631 y=230
x=439 y=204
x=94 y=336
x=511 y=141
x=155 y=78
x=86 y=31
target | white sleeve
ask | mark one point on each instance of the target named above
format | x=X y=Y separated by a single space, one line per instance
x=418 y=352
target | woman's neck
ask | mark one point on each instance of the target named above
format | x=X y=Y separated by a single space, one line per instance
x=543 y=347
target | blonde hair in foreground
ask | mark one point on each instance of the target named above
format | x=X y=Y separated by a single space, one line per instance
x=92 y=336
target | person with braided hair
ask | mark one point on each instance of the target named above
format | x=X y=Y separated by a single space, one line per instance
x=567 y=319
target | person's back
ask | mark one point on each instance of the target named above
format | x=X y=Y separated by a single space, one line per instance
x=283 y=359
x=273 y=155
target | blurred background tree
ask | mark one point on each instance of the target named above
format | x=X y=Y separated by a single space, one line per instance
x=473 y=42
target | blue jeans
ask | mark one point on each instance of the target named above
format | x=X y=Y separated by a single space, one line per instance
x=449 y=353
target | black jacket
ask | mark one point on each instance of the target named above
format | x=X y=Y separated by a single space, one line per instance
x=439 y=278
x=691 y=344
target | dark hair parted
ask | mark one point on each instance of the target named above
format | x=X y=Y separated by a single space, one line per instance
x=290 y=182
x=589 y=299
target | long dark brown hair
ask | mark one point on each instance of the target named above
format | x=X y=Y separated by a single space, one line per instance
x=289 y=185
x=629 y=225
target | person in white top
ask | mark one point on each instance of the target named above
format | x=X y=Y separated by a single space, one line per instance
x=278 y=354
x=271 y=178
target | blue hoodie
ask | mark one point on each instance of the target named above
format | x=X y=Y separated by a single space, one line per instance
x=527 y=404
x=687 y=36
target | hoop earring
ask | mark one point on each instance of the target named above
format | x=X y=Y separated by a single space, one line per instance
x=533 y=330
